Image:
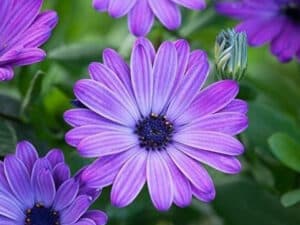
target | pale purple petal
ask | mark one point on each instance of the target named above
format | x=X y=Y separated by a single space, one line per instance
x=61 y=172
x=98 y=216
x=237 y=105
x=130 y=180
x=103 y=101
x=55 y=156
x=119 y=8
x=142 y=76
x=9 y=208
x=191 y=4
x=164 y=76
x=210 y=141
x=6 y=73
x=159 y=180
x=23 y=56
x=100 y=5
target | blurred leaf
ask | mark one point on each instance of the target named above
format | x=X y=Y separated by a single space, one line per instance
x=286 y=150
x=9 y=107
x=77 y=52
x=8 y=138
x=33 y=90
x=291 y=198
x=245 y=203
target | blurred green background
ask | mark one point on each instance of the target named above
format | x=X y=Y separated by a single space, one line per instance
x=265 y=193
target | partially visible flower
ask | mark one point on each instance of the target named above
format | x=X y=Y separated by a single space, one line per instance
x=40 y=191
x=274 y=21
x=22 y=30
x=150 y=122
x=231 y=55
x=141 y=13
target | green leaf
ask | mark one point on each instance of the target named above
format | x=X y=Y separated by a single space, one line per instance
x=286 y=150
x=9 y=107
x=245 y=203
x=290 y=198
x=8 y=138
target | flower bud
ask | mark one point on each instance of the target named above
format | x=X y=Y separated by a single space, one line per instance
x=231 y=55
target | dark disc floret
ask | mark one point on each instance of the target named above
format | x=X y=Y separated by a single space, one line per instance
x=40 y=215
x=292 y=11
x=154 y=132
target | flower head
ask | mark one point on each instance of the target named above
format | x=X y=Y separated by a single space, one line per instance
x=274 y=21
x=150 y=122
x=40 y=191
x=231 y=55
x=22 y=30
x=141 y=13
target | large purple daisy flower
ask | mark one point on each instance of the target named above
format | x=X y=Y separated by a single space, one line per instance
x=40 y=191
x=274 y=21
x=141 y=13
x=22 y=30
x=150 y=122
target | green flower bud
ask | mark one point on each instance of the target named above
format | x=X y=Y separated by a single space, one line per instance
x=231 y=55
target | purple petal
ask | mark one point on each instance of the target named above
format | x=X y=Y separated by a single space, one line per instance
x=103 y=171
x=192 y=82
x=228 y=123
x=98 y=216
x=159 y=180
x=81 y=117
x=3 y=181
x=119 y=8
x=212 y=99
x=167 y=12
x=130 y=180
x=9 y=209
x=210 y=141
x=6 y=73
x=107 y=143
x=164 y=76
x=71 y=214
x=181 y=185
x=183 y=54
x=141 y=76
x=19 y=180
x=103 y=101
x=27 y=153
x=237 y=105
x=61 y=173
x=193 y=171
x=25 y=56
x=44 y=188
x=191 y=4
x=66 y=194
x=224 y=163
x=203 y=196
x=55 y=156
x=140 y=18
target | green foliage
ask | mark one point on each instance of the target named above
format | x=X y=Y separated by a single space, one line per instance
x=31 y=107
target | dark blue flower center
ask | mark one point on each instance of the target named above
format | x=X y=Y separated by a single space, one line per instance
x=292 y=11
x=40 y=215
x=155 y=132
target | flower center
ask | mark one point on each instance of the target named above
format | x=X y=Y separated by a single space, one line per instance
x=292 y=11
x=155 y=132
x=40 y=215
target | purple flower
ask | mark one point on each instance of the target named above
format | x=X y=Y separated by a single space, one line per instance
x=274 y=21
x=40 y=191
x=150 y=122
x=22 y=30
x=141 y=13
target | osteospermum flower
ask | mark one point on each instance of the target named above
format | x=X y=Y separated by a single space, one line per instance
x=141 y=13
x=22 y=30
x=40 y=191
x=274 y=21
x=150 y=122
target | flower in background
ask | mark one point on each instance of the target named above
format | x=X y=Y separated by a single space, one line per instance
x=141 y=13
x=274 y=21
x=22 y=30
x=40 y=191
x=150 y=122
